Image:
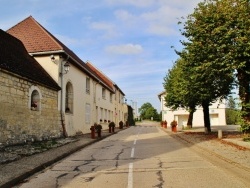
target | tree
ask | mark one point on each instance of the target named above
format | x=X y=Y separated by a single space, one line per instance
x=237 y=13
x=178 y=85
x=147 y=111
x=211 y=72
x=232 y=113
x=151 y=112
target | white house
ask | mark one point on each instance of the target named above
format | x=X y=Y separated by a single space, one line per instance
x=216 y=111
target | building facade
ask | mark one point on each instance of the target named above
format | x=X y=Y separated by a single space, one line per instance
x=28 y=96
x=85 y=97
x=216 y=111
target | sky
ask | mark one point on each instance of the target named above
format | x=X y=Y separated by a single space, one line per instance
x=128 y=40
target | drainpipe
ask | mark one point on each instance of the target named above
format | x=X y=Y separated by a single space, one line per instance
x=61 y=106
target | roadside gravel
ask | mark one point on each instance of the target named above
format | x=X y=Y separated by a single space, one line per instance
x=220 y=147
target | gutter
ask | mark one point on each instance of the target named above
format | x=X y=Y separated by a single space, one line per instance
x=61 y=106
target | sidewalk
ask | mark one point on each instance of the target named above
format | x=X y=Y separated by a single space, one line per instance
x=16 y=171
x=227 y=128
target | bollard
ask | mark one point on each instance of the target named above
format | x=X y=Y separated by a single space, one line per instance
x=92 y=128
x=220 y=134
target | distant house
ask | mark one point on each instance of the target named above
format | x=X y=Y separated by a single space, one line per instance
x=216 y=111
x=28 y=96
x=85 y=97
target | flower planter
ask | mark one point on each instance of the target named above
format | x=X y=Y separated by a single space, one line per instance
x=165 y=125
x=174 y=128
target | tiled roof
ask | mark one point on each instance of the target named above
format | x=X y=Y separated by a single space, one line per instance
x=15 y=58
x=101 y=76
x=34 y=37
x=37 y=39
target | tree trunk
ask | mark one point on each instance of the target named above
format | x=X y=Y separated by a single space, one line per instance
x=205 y=106
x=244 y=91
x=190 y=118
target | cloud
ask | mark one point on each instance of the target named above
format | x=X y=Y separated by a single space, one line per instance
x=159 y=19
x=108 y=29
x=124 y=15
x=125 y=49
x=137 y=3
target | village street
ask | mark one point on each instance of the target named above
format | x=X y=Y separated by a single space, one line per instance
x=142 y=156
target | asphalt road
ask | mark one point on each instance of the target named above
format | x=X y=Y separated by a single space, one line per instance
x=141 y=156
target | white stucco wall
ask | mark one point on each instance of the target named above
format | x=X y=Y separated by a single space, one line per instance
x=216 y=111
x=99 y=108
x=51 y=67
x=104 y=107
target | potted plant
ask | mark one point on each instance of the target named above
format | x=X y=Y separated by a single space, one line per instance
x=165 y=124
x=98 y=129
x=33 y=106
x=174 y=126
x=111 y=127
x=120 y=125
x=162 y=123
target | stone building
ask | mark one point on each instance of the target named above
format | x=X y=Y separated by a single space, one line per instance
x=28 y=96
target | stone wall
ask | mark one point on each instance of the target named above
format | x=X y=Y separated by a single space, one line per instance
x=18 y=122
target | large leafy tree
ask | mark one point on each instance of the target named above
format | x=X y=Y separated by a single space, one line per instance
x=178 y=85
x=237 y=44
x=211 y=71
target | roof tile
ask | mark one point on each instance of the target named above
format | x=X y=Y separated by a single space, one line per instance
x=101 y=76
x=15 y=58
x=34 y=37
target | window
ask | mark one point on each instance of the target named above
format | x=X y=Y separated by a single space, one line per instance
x=88 y=85
x=110 y=97
x=35 y=98
x=69 y=98
x=87 y=113
x=101 y=114
x=103 y=93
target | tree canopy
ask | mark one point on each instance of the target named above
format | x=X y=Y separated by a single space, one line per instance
x=178 y=84
x=217 y=46
x=147 y=111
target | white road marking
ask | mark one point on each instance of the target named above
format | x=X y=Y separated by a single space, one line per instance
x=130 y=171
x=132 y=152
x=130 y=176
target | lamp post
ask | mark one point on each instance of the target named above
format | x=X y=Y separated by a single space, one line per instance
x=66 y=67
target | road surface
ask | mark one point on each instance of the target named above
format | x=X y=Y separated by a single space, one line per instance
x=140 y=157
